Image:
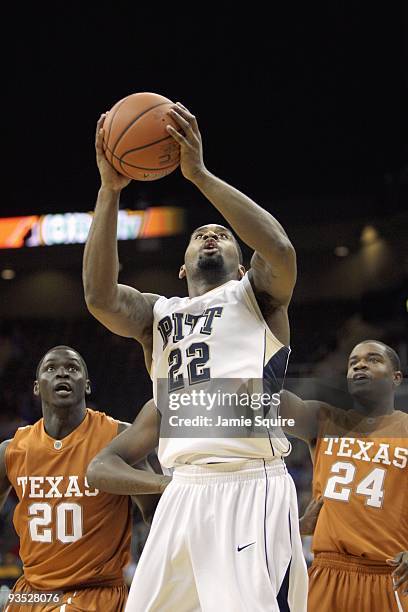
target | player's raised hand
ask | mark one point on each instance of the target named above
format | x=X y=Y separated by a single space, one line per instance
x=400 y=573
x=191 y=149
x=110 y=178
x=307 y=522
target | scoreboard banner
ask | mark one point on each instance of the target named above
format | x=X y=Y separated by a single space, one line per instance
x=73 y=228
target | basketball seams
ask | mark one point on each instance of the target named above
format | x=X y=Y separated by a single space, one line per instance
x=153 y=172
x=136 y=149
x=111 y=123
x=123 y=171
x=134 y=121
x=121 y=161
x=146 y=145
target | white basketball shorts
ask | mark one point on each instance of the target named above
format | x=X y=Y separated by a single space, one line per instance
x=224 y=538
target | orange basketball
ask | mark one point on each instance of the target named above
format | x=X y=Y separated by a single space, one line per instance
x=136 y=141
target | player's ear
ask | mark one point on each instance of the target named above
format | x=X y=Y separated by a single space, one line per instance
x=36 y=388
x=88 y=387
x=182 y=273
x=241 y=271
x=397 y=378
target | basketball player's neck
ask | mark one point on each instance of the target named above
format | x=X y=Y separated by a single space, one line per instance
x=377 y=406
x=60 y=421
x=200 y=284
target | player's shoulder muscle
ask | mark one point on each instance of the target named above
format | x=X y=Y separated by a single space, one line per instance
x=270 y=278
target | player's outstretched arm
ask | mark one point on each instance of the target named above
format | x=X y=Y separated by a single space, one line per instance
x=111 y=470
x=304 y=414
x=5 y=485
x=123 y=310
x=274 y=262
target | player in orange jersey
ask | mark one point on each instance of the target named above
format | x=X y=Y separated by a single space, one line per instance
x=73 y=538
x=360 y=459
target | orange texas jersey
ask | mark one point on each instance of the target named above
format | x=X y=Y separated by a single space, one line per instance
x=360 y=469
x=70 y=535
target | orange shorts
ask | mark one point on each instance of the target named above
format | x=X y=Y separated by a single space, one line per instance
x=92 y=599
x=340 y=583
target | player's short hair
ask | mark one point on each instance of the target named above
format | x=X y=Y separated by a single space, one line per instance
x=391 y=354
x=239 y=250
x=64 y=347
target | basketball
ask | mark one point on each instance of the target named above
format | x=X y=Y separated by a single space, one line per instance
x=136 y=141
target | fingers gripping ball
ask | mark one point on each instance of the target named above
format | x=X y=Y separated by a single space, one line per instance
x=136 y=141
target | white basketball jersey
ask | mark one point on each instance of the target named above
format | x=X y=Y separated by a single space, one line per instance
x=218 y=336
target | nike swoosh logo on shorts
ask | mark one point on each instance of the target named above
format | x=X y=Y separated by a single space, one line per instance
x=239 y=548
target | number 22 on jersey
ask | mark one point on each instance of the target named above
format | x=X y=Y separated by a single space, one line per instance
x=197 y=372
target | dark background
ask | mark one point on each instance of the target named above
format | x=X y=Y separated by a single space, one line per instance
x=295 y=101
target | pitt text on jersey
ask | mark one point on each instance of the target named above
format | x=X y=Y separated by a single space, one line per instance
x=182 y=324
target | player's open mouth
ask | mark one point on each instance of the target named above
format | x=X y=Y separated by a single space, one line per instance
x=63 y=389
x=210 y=247
x=360 y=377
x=210 y=251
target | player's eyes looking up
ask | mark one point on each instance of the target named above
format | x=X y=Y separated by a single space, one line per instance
x=220 y=235
x=70 y=368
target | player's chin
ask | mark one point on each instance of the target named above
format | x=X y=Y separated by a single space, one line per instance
x=210 y=261
x=64 y=399
x=366 y=391
x=358 y=387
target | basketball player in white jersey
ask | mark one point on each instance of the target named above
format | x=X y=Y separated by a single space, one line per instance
x=225 y=535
